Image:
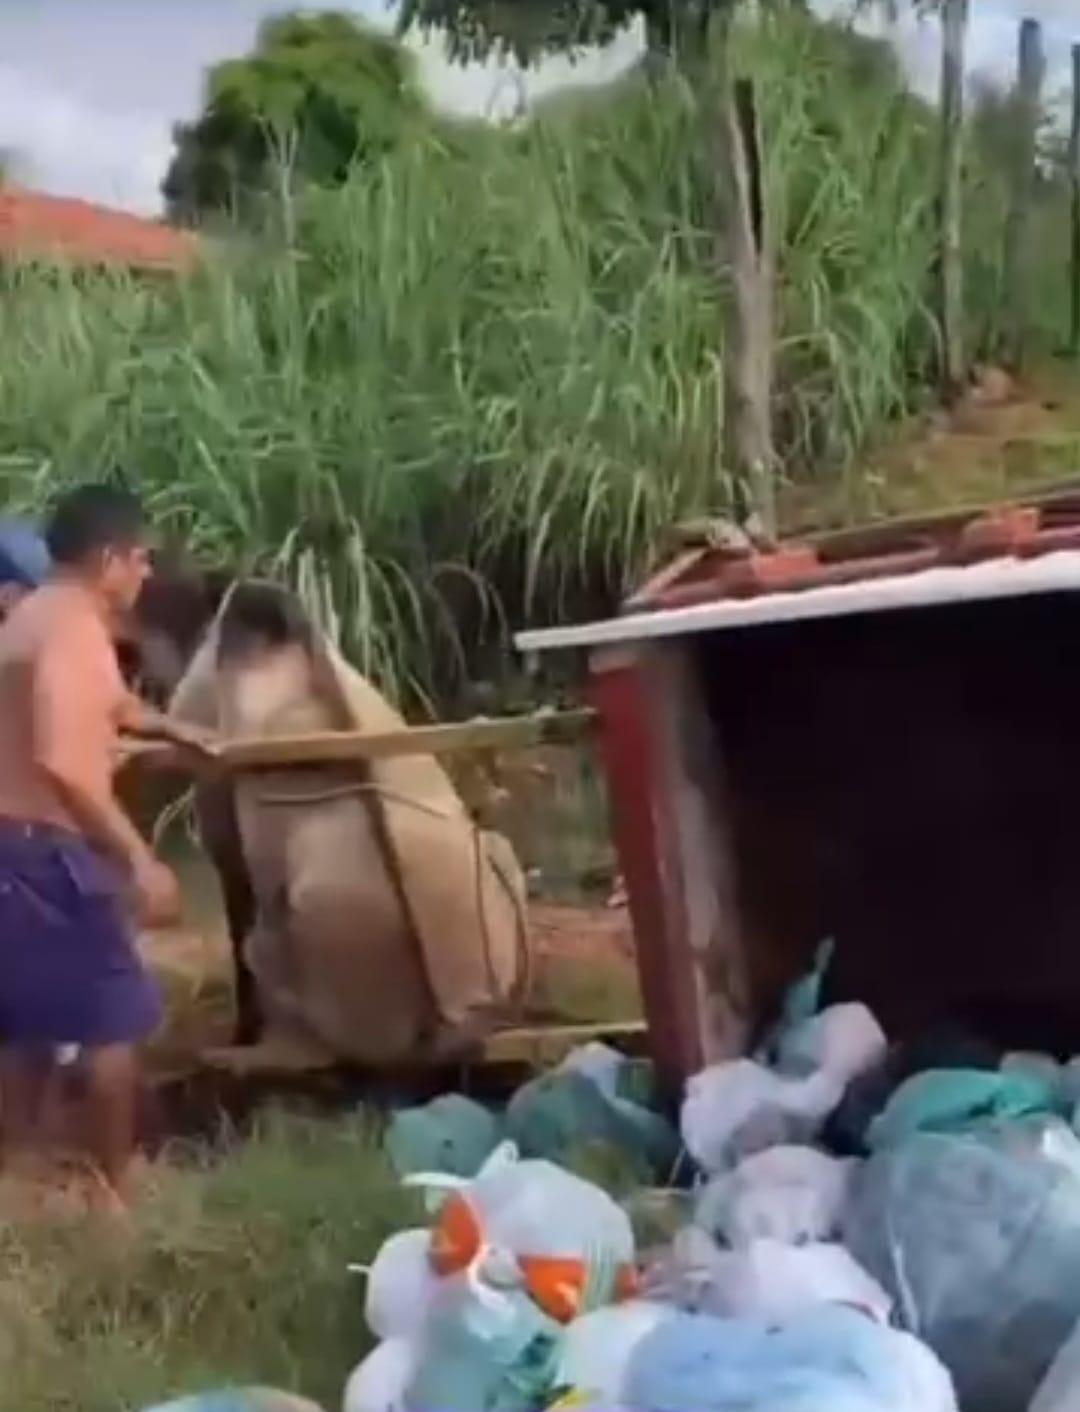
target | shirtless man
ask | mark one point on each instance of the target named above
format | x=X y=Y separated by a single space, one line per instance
x=72 y=864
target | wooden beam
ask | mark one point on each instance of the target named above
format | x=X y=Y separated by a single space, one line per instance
x=1020 y=254
x=950 y=257
x=527 y=1047
x=745 y=259
x=1074 y=233
x=340 y=747
x=542 y=1046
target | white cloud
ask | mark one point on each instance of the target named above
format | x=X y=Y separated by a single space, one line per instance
x=75 y=148
x=497 y=89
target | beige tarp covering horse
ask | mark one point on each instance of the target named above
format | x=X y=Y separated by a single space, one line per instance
x=389 y=926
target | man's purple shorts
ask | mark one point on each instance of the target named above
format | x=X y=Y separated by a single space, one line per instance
x=69 y=973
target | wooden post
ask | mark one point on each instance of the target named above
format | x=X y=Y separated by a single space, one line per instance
x=954 y=18
x=665 y=785
x=1019 y=255
x=1074 y=177
x=744 y=250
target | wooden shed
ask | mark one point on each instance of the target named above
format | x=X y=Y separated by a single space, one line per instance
x=872 y=736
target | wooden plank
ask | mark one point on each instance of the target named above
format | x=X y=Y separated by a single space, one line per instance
x=954 y=21
x=538 y=1046
x=541 y=1046
x=698 y=854
x=1020 y=251
x=339 y=747
x=1074 y=212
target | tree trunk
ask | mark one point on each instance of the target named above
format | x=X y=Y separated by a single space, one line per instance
x=660 y=35
x=954 y=18
x=1074 y=177
x=744 y=250
x=1019 y=255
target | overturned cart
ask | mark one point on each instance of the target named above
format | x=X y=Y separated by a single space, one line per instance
x=872 y=736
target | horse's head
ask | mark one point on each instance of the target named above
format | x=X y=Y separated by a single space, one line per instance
x=175 y=608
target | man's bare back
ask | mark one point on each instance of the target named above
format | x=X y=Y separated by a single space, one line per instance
x=59 y=678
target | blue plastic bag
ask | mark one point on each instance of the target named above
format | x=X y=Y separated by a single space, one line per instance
x=828 y=1360
x=977 y=1240
x=238 y=1400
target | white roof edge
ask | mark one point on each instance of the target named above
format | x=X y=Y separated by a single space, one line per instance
x=1057 y=572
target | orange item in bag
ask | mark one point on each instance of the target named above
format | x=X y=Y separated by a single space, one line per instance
x=554 y=1284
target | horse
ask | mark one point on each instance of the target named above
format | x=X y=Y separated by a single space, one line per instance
x=174 y=611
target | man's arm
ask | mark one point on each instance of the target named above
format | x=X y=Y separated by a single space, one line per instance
x=72 y=705
x=137 y=717
x=76 y=694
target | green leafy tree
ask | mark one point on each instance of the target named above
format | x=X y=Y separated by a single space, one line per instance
x=318 y=94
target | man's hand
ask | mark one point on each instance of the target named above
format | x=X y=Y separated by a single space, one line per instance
x=157 y=893
x=203 y=743
x=147 y=722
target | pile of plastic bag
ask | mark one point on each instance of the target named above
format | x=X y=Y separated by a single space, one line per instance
x=471 y=1312
x=933 y=1187
x=865 y=1227
x=596 y=1100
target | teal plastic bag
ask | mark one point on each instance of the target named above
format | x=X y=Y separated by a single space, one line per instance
x=801 y=1002
x=451 y=1134
x=489 y=1348
x=558 y=1115
x=957 y=1101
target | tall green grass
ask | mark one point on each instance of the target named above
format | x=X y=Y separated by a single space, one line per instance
x=235 y=1273
x=477 y=384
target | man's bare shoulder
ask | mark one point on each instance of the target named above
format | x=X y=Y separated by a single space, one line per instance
x=53 y=616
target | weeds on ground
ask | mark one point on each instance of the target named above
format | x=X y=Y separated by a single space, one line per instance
x=235 y=1273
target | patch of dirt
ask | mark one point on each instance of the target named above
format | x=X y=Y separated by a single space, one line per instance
x=601 y=935
x=1003 y=439
x=584 y=971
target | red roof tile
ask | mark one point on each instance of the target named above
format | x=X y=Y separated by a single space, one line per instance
x=706 y=572
x=58 y=227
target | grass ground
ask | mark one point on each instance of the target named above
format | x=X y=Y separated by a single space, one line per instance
x=234 y=1273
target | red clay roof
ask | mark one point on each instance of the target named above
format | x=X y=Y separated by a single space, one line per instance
x=706 y=572
x=59 y=227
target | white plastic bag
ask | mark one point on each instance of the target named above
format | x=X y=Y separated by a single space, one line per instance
x=735 y=1109
x=400 y=1285
x=597 y=1348
x=787 y=1194
x=540 y=1247
x=845 y=1040
x=773 y=1281
x=765 y=1280
x=378 y=1384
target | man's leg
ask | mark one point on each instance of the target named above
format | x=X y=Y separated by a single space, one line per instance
x=26 y=1078
x=112 y=1076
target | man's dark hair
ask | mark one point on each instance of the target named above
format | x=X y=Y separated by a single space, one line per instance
x=92 y=518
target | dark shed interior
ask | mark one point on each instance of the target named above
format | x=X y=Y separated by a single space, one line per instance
x=908 y=783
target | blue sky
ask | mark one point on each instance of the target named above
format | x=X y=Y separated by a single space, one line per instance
x=89 y=89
